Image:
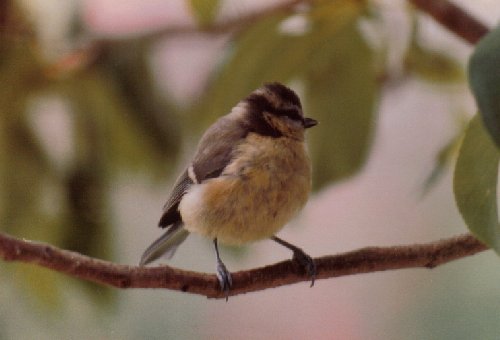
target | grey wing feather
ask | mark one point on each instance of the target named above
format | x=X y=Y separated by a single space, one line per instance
x=166 y=245
x=170 y=209
x=216 y=147
x=214 y=153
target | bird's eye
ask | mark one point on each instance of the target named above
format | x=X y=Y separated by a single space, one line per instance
x=293 y=114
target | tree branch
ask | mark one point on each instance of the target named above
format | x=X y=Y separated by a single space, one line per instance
x=446 y=13
x=230 y=24
x=371 y=259
x=453 y=18
x=365 y=260
x=88 y=53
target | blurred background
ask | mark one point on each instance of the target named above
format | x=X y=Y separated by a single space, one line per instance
x=102 y=103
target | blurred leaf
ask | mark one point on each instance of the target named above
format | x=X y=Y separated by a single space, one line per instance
x=24 y=164
x=15 y=27
x=341 y=93
x=123 y=143
x=22 y=175
x=433 y=66
x=95 y=159
x=484 y=79
x=87 y=230
x=430 y=65
x=264 y=53
x=126 y=69
x=236 y=253
x=108 y=140
x=338 y=67
x=204 y=11
x=28 y=174
x=36 y=283
x=26 y=171
x=475 y=184
x=443 y=160
x=40 y=282
x=241 y=74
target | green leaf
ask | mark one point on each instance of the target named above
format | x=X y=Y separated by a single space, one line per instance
x=37 y=284
x=484 y=79
x=475 y=184
x=338 y=69
x=42 y=284
x=128 y=76
x=263 y=53
x=443 y=160
x=205 y=11
x=27 y=173
x=433 y=66
x=430 y=65
x=246 y=69
x=108 y=125
x=341 y=93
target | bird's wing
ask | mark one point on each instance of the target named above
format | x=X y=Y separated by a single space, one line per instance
x=217 y=148
x=170 y=213
x=214 y=153
x=166 y=245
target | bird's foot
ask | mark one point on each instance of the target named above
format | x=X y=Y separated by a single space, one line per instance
x=224 y=276
x=306 y=262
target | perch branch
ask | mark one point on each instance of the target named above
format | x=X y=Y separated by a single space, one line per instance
x=365 y=260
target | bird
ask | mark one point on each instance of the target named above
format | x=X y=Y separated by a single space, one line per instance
x=250 y=175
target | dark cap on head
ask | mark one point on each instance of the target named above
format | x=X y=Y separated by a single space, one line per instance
x=284 y=93
x=278 y=100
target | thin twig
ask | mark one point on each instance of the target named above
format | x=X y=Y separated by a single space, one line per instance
x=365 y=260
x=447 y=14
x=89 y=52
x=453 y=18
x=229 y=24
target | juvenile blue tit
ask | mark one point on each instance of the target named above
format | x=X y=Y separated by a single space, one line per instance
x=249 y=176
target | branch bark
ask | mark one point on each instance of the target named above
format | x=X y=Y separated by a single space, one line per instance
x=453 y=18
x=229 y=24
x=365 y=260
x=444 y=12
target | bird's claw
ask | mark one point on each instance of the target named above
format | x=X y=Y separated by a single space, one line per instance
x=307 y=263
x=225 y=279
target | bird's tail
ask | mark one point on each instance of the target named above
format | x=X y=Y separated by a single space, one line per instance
x=166 y=245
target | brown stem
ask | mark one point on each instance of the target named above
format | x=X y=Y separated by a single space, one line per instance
x=453 y=18
x=365 y=260
x=447 y=14
x=230 y=24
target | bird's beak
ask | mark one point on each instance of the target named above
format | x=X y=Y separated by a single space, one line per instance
x=309 y=122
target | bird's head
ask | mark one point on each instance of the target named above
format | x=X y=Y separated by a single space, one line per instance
x=275 y=110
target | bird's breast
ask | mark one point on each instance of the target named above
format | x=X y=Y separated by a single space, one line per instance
x=265 y=185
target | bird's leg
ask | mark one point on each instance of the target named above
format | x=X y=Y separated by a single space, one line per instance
x=223 y=274
x=300 y=257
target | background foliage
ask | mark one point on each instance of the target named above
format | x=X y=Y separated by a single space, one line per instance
x=121 y=123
